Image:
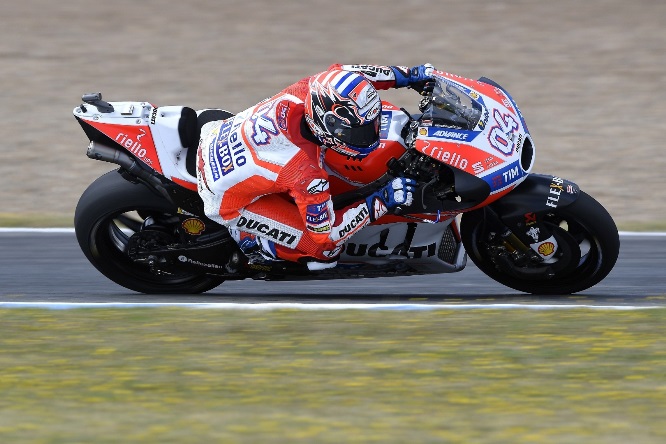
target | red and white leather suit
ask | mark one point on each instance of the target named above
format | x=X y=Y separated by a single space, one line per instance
x=257 y=173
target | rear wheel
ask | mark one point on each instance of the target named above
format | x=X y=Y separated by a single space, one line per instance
x=588 y=247
x=108 y=213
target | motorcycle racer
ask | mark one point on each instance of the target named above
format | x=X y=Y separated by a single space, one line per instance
x=260 y=172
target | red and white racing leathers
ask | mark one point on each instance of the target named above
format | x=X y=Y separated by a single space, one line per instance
x=258 y=174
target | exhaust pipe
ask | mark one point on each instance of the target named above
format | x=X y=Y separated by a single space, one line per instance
x=105 y=153
x=113 y=155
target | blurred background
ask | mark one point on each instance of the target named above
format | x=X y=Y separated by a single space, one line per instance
x=588 y=77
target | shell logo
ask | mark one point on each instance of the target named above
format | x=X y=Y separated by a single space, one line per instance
x=193 y=226
x=546 y=249
x=423 y=131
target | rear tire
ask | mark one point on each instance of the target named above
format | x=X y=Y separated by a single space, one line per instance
x=106 y=215
x=584 y=227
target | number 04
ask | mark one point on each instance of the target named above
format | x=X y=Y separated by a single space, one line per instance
x=501 y=135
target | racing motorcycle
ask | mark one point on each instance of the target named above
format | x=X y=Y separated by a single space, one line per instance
x=143 y=225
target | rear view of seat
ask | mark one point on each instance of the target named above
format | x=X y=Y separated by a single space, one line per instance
x=189 y=130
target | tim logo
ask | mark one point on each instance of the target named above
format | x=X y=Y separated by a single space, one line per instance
x=317 y=214
x=385 y=124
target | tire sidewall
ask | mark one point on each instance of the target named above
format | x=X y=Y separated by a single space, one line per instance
x=588 y=213
x=110 y=195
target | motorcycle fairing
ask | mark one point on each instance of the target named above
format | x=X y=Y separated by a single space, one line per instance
x=165 y=125
x=148 y=133
x=502 y=92
x=525 y=207
x=126 y=126
x=540 y=193
x=431 y=248
x=463 y=157
x=476 y=128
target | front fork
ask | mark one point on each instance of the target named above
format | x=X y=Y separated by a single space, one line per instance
x=520 y=247
x=519 y=217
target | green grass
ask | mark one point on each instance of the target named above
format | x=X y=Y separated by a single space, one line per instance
x=185 y=375
x=642 y=226
x=36 y=220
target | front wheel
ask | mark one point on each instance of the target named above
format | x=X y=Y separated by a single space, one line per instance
x=107 y=215
x=586 y=234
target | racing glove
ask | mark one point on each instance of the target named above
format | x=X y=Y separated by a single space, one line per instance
x=419 y=78
x=396 y=193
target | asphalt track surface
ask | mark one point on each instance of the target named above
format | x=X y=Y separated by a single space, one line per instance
x=49 y=267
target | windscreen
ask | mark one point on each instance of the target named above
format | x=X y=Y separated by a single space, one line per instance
x=450 y=106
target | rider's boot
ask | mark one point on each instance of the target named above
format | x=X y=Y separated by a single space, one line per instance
x=259 y=251
x=262 y=253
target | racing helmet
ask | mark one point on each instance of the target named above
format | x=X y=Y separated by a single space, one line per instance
x=343 y=111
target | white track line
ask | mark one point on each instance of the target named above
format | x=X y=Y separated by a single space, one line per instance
x=300 y=306
x=36 y=230
x=277 y=306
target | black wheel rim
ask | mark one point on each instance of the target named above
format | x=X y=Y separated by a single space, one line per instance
x=111 y=236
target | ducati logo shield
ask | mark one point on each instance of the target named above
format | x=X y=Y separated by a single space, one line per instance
x=378 y=208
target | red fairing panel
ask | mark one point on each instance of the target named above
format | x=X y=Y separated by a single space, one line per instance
x=136 y=139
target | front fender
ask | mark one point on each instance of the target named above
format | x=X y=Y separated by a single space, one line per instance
x=538 y=194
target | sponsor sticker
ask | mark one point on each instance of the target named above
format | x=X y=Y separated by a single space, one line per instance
x=220 y=159
x=317 y=217
x=463 y=136
x=504 y=177
x=193 y=226
x=269 y=229
x=281 y=115
x=554 y=191
x=530 y=219
x=546 y=249
x=318 y=186
x=534 y=233
x=355 y=222
x=378 y=208
x=467 y=158
x=385 y=123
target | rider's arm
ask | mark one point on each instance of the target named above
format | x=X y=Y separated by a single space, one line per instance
x=308 y=185
x=386 y=77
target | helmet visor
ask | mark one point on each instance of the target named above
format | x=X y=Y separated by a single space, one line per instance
x=355 y=135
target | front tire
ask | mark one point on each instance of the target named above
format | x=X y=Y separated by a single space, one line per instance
x=584 y=228
x=107 y=214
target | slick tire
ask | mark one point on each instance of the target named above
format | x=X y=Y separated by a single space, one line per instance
x=585 y=226
x=101 y=223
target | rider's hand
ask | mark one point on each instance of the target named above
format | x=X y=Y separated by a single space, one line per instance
x=419 y=78
x=398 y=192
x=421 y=73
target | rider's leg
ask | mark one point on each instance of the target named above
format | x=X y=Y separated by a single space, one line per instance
x=280 y=230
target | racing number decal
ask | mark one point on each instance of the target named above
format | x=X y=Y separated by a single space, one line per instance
x=501 y=135
x=264 y=126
